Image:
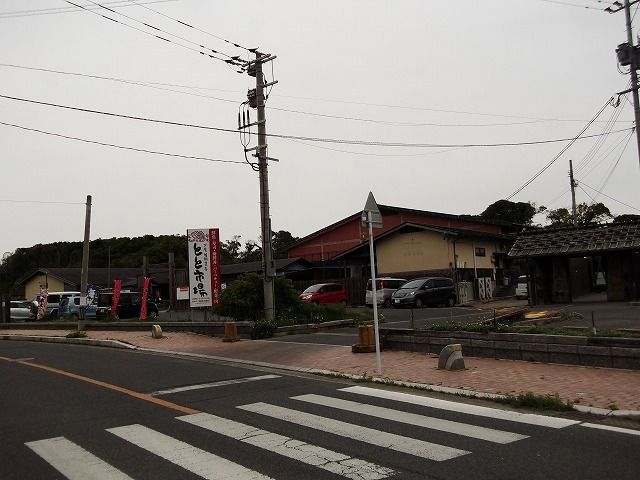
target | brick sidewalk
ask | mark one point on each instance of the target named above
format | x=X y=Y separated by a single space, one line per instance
x=589 y=386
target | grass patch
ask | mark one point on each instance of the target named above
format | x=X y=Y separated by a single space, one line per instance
x=537 y=402
x=77 y=334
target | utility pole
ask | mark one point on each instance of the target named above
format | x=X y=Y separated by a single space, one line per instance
x=85 y=266
x=574 y=184
x=629 y=53
x=257 y=100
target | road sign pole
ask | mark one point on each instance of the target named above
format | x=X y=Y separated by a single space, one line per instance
x=375 y=296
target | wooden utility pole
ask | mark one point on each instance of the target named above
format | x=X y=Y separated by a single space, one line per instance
x=574 y=184
x=85 y=267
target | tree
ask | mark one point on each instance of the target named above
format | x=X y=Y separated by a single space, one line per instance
x=585 y=215
x=280 y=241
x=626 y=217
x=513 y=212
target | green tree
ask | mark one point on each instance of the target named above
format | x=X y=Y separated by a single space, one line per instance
x=280 y=241
x=626 y=217
x=585 y=215
x=513 y=212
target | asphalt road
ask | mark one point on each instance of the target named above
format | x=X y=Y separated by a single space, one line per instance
x=74 y=411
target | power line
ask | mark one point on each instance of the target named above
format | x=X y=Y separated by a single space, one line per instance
x=210 y=55
x=572 y=5
x=142 y=4
x=615 y=165
x=122 y=147
x=312 y=139
x=566 y=147
x=232 y=60
x=57 y=10
x=158 y=87
x=611 y=198
x=9 y=200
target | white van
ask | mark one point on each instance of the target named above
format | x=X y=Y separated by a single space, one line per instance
x=385 y=287
x=522 y=288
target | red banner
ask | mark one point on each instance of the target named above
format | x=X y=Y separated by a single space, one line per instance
x=117 y=286
x=143 y=300
x=214 y=258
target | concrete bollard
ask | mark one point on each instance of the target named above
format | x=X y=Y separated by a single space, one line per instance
x=156 y=331
x=230 y=332
x=366 y=340
x=451 y=358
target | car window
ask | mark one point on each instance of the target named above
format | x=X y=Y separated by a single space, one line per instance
x=312 y=289
x=443 y=282
x=53 y=298
x=413 y=284
x=396 y=283
x=76 y=300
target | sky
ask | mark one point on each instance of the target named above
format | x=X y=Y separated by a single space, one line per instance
x=444 y=80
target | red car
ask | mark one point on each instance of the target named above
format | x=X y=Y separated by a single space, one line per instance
x=325 y=293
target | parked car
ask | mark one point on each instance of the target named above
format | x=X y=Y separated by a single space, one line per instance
x=522 y=288
x=53 y=301
x=129 y=305
x=426 y=291
x=22 y=310
x=385 y=287
x=70 y=306
x=325 y=293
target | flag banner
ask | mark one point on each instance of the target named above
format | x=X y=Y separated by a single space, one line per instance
x=204 y=268
x=145 y=295
x=42 y=304
x=117 y=286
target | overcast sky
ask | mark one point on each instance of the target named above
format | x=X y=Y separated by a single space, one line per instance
x=404 y=71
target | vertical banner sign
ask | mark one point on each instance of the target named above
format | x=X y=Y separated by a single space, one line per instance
x=204 y=268
x=214 y=256
x=117 y=286
x=42 y=304
x=145 y=295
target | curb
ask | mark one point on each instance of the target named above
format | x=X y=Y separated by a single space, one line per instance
x=632 y=414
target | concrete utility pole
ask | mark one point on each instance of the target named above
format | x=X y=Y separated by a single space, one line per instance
x=574 y=184
x=633 y=63
x=255 y=69
x=85 y=266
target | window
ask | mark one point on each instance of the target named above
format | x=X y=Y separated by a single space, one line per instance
x=480 y=252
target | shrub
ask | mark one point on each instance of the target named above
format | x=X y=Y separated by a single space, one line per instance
x=539 y=402
x=77 y=334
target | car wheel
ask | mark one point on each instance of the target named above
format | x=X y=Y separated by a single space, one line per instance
x=451 y=302
x=387 y=303
x=418 y=303
x=153 y=314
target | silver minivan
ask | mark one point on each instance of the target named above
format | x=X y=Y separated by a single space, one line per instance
x=385 y=287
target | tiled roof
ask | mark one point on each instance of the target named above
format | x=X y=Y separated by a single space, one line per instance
x=577 y=241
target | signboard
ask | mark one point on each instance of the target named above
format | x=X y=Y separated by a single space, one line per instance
x=204 y=267
x=182 y=293
x=372 y=212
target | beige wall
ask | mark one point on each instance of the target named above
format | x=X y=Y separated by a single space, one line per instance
x=428 y=250
x=466 y=248
x=410 y=252
x=32 y=287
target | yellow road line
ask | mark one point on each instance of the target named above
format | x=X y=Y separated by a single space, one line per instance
x=126 y=391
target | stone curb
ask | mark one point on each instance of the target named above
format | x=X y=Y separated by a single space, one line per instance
x=76 y=341
x=633 y=414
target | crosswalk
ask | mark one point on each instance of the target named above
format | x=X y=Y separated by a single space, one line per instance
x=75 y=462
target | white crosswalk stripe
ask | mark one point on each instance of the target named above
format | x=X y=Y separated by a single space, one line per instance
x=412 y=446
x=482 y=433
x=528 y=418
x=73 y=461
x=193 y=459
x=323 y=458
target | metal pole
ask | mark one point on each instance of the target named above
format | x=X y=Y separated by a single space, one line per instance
x=573 y=194
x=267 y=254
x=375 y=296
x=85 y=266
x=634 y=75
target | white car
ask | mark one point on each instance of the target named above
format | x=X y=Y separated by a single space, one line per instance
x=22 y=310
x=522 y=288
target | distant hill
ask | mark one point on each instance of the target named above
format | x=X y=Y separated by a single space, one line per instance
x=124 y=252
